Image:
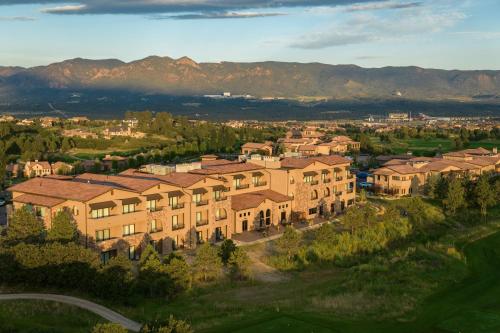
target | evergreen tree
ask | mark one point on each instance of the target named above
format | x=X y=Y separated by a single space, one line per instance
x=24 y=226
x=289 y=244
x=226 y=249
x=63 y=228
x=179 y=272
x=484 y=194
x=153 y=276
x=207 y=265
x=455 y=196
x=239 y=264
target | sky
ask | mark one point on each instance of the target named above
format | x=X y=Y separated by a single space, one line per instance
x=448 y=34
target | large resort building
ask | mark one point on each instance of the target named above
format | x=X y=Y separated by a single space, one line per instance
x=400 y=177
x=181 y=206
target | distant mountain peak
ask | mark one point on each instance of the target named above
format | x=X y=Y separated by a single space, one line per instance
x=187 y=62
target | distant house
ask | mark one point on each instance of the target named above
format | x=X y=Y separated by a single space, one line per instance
x=308 y=150
x=49 y=121
x=12 y=170
x=122 y=131
x=37 y=169
x=79 y=133
x=253 y=147
x=61 y=168
x=109 y=161
x=78 y=120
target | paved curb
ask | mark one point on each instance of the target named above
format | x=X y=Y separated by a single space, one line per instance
x=100 y=310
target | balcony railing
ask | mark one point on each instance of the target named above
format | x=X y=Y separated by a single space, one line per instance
x=338 y=179
x=258 y=184
x=314 y=182
x=154 y=209
x=220 y=218
x=178 y=227
x=242 y=186
x=350 y=176
x=177 y=206
x=201 y=203
x=201 y=223
x=326 y=180
x=155 y=230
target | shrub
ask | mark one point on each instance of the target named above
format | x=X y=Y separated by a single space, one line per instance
x=109 y=328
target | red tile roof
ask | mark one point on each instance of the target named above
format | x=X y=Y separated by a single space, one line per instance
x=227 y=168
x=61 y=189
x=39 y=200
x=135 y=184
x=300 y=163
x=254 y=199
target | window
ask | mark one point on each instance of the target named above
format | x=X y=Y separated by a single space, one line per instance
x=175 y=221
x=395 y=178
x=132 y=253
x=198 y=216
x=323 y=175
x=314 y=195
x=255 y=180
x=237 y=182
x=327 y=192
x=100 y=213
x=313 y=211
x=220 y=214
x=75 y=211
x=129 y=208
x=39 y=211
x=308 y=179
x=197 y=197
x=105 y=256
x=151 y=205
x=128 y=229
x=101 y=235
x=153 y=226
x=217 y=194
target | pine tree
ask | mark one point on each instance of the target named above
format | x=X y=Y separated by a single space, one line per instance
x=179 y=272
x=63 y=228
x=289 y=244
x=24 y=226
x=484 y=194
x=208 y=264
x=455 y=196
x=239 y=264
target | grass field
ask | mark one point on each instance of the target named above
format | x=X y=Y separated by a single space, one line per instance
x=428 y=146
x=44 y=317
x=418 y=288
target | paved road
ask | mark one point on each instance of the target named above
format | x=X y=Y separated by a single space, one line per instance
x=90 y=306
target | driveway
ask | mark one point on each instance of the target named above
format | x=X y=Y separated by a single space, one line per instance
x=81 y=303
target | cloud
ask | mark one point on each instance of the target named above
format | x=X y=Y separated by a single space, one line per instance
x=17 y=18
x=173 y=6
x=383 y=5
x=361 y=27
x=214 y=15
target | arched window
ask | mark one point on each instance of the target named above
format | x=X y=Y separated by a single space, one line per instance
x=268 y=217
x=327 y=192
x=261 y=218
x=220 y=214
x=314 y=195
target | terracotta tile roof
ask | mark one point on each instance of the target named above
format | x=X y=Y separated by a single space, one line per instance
x=342 y=138
x=468 y=152
x=216 y=162
x=227 y=168
x=307 y=148
x=181 y=179
x=39 y=200
x=43 y=164
x=403 y=169
x=254 y=199
x=61 y=189
x=395 y=161
x=255 y=145
x=383 y=171
x=441 y=165
x=300 y=163
x=135 y=184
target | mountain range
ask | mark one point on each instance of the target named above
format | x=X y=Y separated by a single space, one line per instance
x=184 y=76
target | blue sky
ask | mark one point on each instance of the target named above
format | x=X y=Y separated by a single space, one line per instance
x=449 y=34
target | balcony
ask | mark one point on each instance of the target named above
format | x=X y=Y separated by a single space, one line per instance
x=201 y=203
x=338 y=179
x=221 y=199
x=220 y=218
x=155 y=230
x=177 y=206
x=177 y=227
x=154 y=209
x=242 y=186
x=314 y=182
x=201 y=223
x=258 y=184
x=326 y=180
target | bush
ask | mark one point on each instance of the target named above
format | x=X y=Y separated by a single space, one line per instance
x=109 y=328
x=226 y=249
x=171 y=325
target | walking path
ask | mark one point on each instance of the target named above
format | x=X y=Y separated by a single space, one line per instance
x=100 y=310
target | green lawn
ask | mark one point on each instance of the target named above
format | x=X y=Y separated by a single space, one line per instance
x=44 y=317
x=423 y=146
